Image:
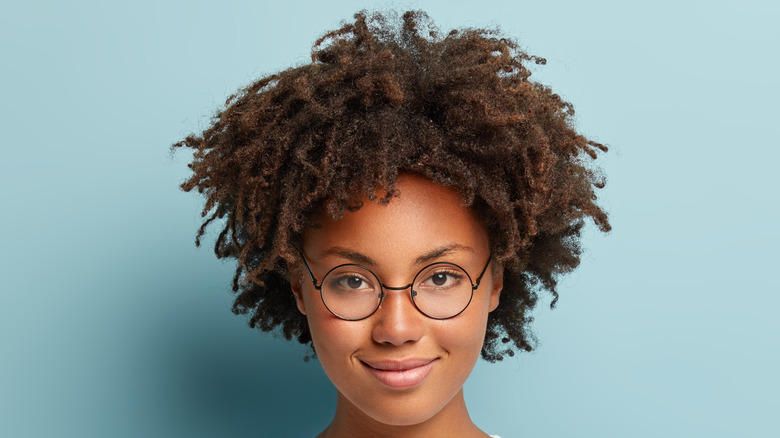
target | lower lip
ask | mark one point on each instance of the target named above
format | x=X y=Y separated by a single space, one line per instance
x=402 y=379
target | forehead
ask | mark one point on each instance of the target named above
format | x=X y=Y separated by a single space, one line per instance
x=423 y=216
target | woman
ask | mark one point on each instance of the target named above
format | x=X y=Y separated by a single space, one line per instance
x=398 y=204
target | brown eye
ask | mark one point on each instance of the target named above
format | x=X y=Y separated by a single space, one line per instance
x=354 y=282
x=441 y=279
x=349 y=283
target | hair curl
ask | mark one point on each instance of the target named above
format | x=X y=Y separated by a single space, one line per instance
x=380 y=99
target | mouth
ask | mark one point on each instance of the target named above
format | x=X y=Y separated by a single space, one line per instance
x=400 y=374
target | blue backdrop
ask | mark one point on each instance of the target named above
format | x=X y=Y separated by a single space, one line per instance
x=113 y=324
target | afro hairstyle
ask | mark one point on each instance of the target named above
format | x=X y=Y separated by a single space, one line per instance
x=385 y=96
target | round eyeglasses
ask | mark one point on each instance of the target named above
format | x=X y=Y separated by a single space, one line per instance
x=440 y=290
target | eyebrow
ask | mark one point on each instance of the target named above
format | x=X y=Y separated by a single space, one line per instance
x=357 y=257
x=442 y=251
x=353 y=256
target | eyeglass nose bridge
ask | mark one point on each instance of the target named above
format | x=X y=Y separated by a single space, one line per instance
x=396 y=288
x=384 y=286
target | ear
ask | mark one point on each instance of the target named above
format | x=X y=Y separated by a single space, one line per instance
x=297 y=289
x=498 y=284
x=298 y=293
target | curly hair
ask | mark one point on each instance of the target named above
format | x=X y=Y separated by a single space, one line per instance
x=384 y=97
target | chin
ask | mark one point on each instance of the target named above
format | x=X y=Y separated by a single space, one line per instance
x=400 y=409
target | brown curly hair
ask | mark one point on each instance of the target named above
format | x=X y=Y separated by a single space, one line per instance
x=384 y=97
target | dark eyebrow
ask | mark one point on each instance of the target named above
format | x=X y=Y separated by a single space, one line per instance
x=353 y=256
x=356 y=257
x=438 y=252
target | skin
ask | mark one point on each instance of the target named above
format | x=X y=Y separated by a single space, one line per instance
x=429 y=221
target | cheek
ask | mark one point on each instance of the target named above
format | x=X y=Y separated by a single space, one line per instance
x=330 y=335
x=464 y=337
x=334 y=340
x=470 y=333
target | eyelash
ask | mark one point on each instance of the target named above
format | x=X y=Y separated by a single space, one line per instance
x=453 y=275
x=339 y=281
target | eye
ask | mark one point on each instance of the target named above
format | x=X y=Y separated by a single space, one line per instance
x=441 y=280
x=349 y=282
x=352 y=282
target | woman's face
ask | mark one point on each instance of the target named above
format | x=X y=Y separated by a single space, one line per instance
x=398 y=366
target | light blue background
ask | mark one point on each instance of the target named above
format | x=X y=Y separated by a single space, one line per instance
x=113 y=324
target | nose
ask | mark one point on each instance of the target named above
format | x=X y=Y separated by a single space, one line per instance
x=397 y=321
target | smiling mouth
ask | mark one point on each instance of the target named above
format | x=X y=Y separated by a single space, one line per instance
x=401 y=374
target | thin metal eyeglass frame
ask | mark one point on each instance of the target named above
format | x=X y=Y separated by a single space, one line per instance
x=382 y=287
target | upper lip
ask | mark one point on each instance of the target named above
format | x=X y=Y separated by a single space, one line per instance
x=397 y=365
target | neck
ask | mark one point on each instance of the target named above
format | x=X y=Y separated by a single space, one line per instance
x=452 y=420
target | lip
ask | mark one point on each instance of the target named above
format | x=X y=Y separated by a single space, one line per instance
x=400 y=374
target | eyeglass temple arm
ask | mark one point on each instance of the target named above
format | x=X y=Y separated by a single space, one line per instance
x=481 y=274
x=313 y=280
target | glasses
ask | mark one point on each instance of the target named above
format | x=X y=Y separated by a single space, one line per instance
x=440 y=290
